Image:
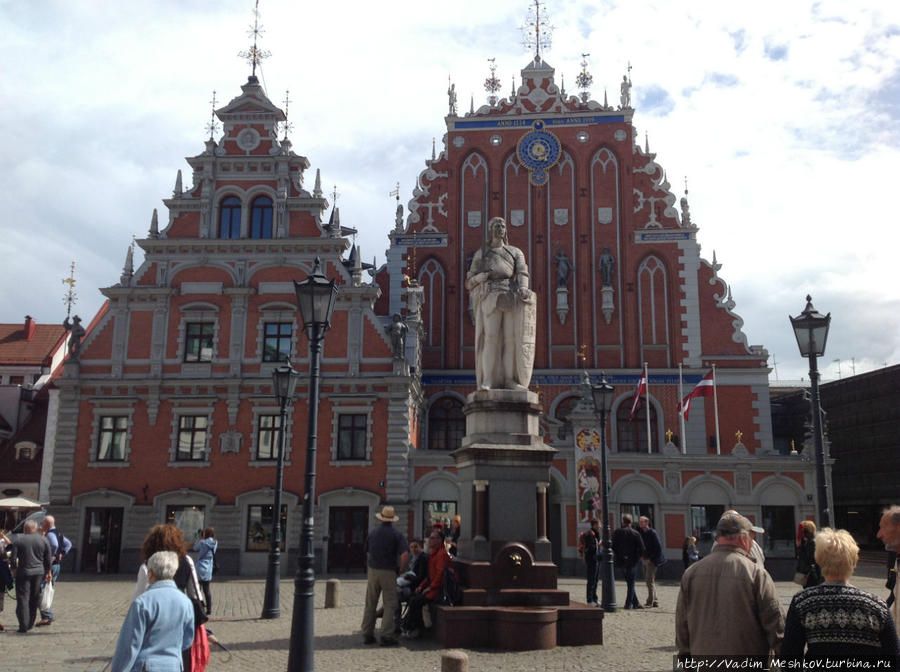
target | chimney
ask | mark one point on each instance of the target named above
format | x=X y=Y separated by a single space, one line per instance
x=30 y=327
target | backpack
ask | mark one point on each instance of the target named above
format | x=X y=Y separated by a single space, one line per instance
x=451 y=593
x=60 y=545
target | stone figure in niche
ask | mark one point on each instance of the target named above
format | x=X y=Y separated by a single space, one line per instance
x=77 y=333
x=563 y=268
x=626 y=91
x=505 y=312
x=607 y=266
x=398 y=331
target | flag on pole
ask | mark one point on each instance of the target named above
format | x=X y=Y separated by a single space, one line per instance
x=641 y=389
x=705 y=388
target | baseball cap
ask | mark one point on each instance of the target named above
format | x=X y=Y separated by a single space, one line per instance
x=731 y=524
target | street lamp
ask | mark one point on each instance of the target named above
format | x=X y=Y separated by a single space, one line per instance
x=811 y=330
x=315 y=297
x=284 y=382
x=602 y=395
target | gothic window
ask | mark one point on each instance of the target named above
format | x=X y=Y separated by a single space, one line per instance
x=654 y=309
x=230 y=217
x=631 y=437
x=268 y=437
x=261 y=217
x=432 y=280
x=192 y=437
x=198 y=341
x=352 y=433
x=563 y=409
x=446 y=424
x=277 y=341
x=113 y=434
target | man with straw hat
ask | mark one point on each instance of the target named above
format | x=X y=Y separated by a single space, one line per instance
x=386 y=552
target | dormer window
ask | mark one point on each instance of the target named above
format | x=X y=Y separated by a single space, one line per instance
x=230 y=218
x=261 y=217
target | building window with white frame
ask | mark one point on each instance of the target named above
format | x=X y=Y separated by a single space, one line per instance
x=352 y=436
x=277 y=341
x=198 y=341
x=268 y=437
x=192 y=438
x=112 y=438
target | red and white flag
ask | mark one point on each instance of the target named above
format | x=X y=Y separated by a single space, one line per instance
x=641 y=389
x=705 y=388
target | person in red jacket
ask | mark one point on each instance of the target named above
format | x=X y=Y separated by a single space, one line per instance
x=430 y=587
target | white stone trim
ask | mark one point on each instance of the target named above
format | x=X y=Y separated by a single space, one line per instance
x=258 y=412
x=106 y=411
x=179 y=412
x=337 y=411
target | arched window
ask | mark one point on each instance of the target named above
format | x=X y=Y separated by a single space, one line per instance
x=230 y=217
x=261 y=217
x=446 y=424
x=631 y=437
x=563 y=408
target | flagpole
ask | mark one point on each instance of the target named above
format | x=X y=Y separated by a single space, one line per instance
x=647 y=392
x=716 y=407
x=681 y=409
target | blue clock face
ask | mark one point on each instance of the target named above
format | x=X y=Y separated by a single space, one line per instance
x=538 y=150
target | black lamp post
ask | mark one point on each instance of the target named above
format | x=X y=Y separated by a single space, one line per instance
x=811 y=329
x=284 y=382
x=316 y=297
x=602 y=395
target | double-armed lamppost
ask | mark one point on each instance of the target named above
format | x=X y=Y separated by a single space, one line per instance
x=602 y=395
x=811 y=329
x=284 y=382
x=316 y=297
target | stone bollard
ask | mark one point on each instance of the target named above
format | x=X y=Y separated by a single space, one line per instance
x=454 y=661
x=332 y=593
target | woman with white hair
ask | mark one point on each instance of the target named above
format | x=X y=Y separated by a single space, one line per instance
x=159 y=624
x=835 y=620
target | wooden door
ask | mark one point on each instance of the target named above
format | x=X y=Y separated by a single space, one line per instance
x=347 y=529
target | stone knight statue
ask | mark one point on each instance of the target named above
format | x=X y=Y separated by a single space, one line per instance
x=505 y=312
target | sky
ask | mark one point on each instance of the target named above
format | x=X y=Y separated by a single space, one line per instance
x=785 y=120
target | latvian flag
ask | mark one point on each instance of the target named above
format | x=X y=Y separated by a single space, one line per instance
x=641 y=389
x=705 y=388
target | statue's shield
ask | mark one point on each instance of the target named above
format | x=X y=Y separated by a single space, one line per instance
x=525 y=329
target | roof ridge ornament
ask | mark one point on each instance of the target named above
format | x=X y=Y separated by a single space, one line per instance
x=254 y=55
x=492 y=84
x=212 y=126
x=536 y=31
x=584 y=80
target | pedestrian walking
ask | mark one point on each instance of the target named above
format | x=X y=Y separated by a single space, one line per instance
x=652 y=559
x=205 y=549
x=59 y=547
x=628 y=548
x=33 y=566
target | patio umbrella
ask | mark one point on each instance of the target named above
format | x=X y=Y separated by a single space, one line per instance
x=18 y=503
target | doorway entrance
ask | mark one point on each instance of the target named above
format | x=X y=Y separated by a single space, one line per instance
x=347 y=529
x=102 y=540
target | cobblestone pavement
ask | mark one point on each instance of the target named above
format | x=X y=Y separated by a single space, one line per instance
x=90 y=612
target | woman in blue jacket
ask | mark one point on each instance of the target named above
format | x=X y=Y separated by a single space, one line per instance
x=206 y=557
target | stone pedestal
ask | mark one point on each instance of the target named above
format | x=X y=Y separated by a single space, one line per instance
x=504 y=469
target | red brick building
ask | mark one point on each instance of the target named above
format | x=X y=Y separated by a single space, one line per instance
x=168 y=411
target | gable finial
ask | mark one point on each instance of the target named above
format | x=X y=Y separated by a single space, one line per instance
x=288 y=126
x=71 y=297
x=536 y=31
x=492 y=84
x=213 y=125
x=584 y=79
x=254 y=55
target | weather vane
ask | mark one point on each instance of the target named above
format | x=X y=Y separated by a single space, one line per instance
x=70 y=296
x=212 y=126
x=288 y=126
x=334 y=195
x=492 y=84
x=255 y=55
x=536 y=31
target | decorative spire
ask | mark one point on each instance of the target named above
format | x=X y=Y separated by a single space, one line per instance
x=492 y=84
x=288 y=126
x=605 y=102
x=177 y=191
x=154 y=225
x=562 y=90
x=128 y=269
x=584 y=80
x=255 y=55
x=317 y=188
x=334 y=223
x=536 y=31
x=685 y=207
x=646 y=143
x=512 y=93
x=334 y=195
x=433 y=155
x=213 y=125
x=472 y=105
x=71 y=297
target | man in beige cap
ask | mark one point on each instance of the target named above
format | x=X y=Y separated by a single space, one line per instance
x=727 y=605
x=386 y=553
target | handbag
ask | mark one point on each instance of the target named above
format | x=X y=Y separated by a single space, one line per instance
x=47 y=596
x=800 y=579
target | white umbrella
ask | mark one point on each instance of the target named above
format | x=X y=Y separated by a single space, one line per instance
x=18 y=503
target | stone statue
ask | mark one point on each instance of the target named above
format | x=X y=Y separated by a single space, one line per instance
x=505 y=312
x=563 y=268
x=398 y=219
x=398 y=331
x=77 y=333
x=451 y=96
x=607 y=264
x=626 y=91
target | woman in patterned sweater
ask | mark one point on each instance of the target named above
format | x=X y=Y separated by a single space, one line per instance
x=834 y=620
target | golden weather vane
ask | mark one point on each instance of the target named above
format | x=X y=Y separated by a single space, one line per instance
x=254 y=55
x=70 y=296
x=212 y=126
